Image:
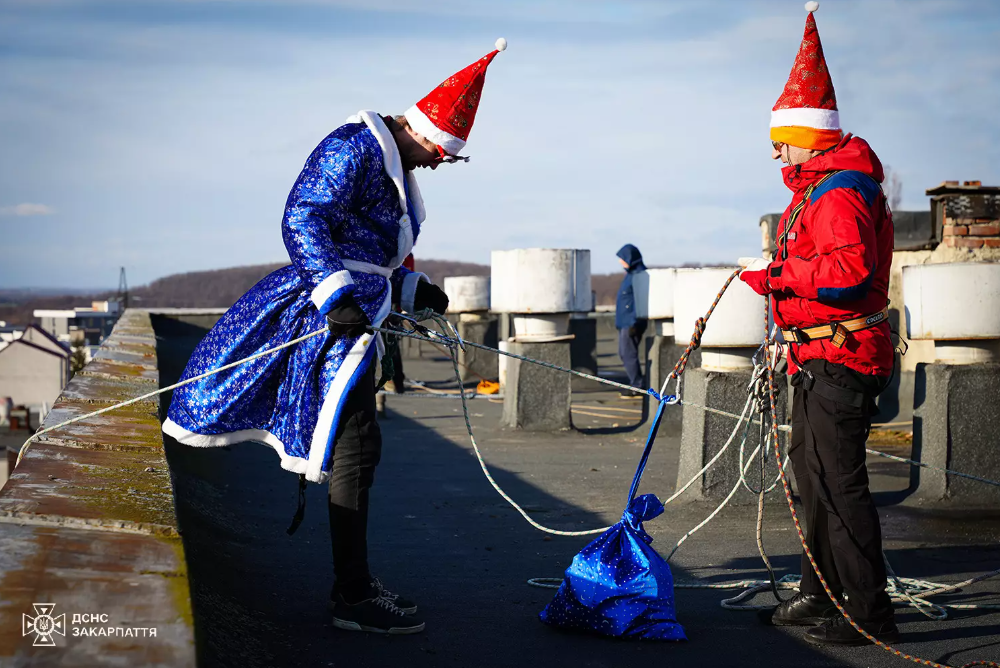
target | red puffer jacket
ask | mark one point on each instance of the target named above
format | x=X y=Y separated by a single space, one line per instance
x=834 y=263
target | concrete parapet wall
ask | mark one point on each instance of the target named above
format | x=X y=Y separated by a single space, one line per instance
x=87 y=522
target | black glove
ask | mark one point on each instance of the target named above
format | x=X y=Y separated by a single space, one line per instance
x=347 y=318
x=430 y=296
x=632 y=331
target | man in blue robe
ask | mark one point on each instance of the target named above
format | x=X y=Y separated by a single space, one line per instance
x=351 y=219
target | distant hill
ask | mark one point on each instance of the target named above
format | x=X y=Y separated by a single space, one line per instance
x=222 y=287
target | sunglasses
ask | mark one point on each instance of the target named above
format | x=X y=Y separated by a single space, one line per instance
x=443 y=157
x=777 y=145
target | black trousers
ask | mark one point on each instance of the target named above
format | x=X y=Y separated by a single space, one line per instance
x=629 y=339
x=842 y=525
x=357 y=451
x=398 y=377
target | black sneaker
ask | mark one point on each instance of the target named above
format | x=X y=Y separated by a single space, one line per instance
x=377 y=589
x=406 y=605
x=837 y=631
x=374 y=615
x=804 y=610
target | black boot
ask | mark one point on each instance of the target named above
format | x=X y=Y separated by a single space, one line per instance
x=804 y=610
x=837 y=631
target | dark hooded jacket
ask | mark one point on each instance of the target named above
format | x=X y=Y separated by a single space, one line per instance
x=625 y=306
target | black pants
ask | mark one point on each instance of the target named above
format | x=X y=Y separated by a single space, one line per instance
x=842 y=525
x=629 y=339
x=357 y=451
x=398 y=378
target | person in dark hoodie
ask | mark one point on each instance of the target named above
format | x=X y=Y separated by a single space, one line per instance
x=630 y=326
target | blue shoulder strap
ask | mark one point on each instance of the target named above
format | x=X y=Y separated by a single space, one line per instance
x=859 y=181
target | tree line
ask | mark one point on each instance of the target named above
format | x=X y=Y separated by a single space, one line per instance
x=222 y=287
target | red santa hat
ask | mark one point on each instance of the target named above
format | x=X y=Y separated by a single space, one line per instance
x=806 y=113
x=446 y=115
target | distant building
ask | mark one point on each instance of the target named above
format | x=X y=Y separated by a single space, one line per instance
x=81 y=326
x=34 y=368
x=8 y=334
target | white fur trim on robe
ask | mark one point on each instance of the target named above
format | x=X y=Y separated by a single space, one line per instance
x=343 y=380
x=328 y=293
x=394 y=168
x=409 y=291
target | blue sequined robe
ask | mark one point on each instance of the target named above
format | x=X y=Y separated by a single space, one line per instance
x=350 y=221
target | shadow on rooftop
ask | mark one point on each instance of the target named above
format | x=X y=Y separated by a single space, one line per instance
x=438 y=533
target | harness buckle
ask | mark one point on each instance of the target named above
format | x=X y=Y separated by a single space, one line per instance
x=808 y=380
x=839 y=337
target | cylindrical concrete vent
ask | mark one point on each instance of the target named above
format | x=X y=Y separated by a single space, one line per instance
x=541 y=280
x=738 y=320
x=467 y=294
x=654 y=293
x=957 y=305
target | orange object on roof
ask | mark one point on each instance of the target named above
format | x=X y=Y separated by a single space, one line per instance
x=488 y=387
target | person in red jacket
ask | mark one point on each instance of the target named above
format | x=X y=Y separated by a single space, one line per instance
x=829 y=280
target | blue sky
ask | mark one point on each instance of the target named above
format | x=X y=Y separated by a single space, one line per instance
x=164 y=135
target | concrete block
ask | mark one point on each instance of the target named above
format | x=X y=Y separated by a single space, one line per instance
x=583 y=347
x=703 y=434
x=662 y=355
x=536 y=398
x=954 y=417
x=476 y=364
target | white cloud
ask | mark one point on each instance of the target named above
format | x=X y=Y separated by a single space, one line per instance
x=27 y=209
x=181 y=138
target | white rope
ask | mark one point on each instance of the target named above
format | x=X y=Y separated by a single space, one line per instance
x=914 y=592
x=149 y=395
x=901 y=591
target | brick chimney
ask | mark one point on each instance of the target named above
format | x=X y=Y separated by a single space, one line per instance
x=966 y=215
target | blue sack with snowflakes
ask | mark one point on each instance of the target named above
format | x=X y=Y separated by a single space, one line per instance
x=619 y=585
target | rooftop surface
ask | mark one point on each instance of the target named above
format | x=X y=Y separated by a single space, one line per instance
x=442 y=536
